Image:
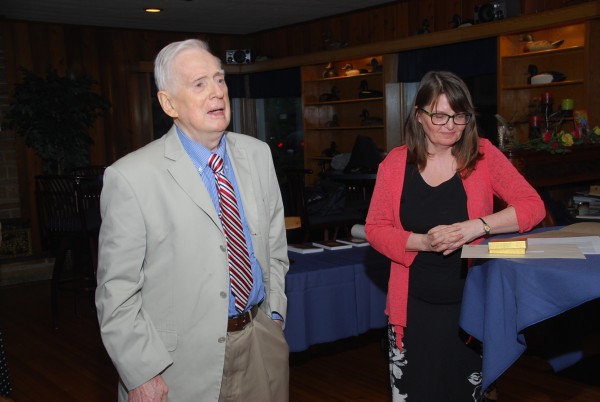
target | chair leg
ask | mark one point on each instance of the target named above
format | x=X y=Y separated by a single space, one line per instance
x=57 y=276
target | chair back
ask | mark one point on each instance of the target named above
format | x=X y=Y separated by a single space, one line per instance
x=87 y=193
x=297 y=192
x=57 y=206
x=92 y=170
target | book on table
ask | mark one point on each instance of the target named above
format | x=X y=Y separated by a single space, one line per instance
x=331 y=245
x=354 y=241
x=303 y=248
x=516 y=245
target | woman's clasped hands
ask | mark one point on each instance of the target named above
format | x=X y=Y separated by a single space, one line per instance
x=446 y=239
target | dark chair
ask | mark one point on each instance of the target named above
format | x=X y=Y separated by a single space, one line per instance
x=88 y=190
x=342 y=219
x=69 y=218
x=92 y=170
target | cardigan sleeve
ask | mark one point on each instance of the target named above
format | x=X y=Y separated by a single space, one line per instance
x=383 y=228
x=511 y=187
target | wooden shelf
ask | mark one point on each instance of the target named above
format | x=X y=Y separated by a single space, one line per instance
x=576 y=58
x=546 y=52
x=543 y=86
x=348 y=111
x=338 y=102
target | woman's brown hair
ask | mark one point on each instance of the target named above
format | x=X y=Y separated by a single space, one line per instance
x=434 y=84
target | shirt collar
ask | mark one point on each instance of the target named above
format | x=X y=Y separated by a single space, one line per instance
x=199 y=153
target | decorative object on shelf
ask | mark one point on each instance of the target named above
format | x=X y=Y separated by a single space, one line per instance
x=545 y=77
x=566 y=106
x=375 y=67
x=332 y=96
x=580 y=120
x=424 y=29
x=351 y=71
x=366 y=93
x=506 y=133
x=535 y=129
x=531 y=45
x=367 y=120
x=332 y=44
x=560 y=141
x=547 y=109
x=458 y=22
x=329 y=71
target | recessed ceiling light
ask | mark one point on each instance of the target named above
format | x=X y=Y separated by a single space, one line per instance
x=152 y=9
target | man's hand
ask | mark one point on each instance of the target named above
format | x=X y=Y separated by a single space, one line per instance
x=154 y=390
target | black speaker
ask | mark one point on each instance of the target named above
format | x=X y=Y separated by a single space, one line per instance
x=496 y=10
x=238 y=56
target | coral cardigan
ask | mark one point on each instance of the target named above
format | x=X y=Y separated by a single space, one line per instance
x=493 y=175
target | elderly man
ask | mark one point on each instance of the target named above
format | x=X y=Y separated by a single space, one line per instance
x=193 y=253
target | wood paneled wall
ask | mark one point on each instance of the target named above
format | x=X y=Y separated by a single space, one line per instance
x=113 y=57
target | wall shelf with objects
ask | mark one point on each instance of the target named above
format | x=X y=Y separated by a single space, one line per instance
x=538 y=69
x=342 y=100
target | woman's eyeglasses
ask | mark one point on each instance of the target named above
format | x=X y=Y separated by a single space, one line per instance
x=439 y=119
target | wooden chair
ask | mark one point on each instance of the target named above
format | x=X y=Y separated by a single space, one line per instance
x=69 y=225
x=344 y=219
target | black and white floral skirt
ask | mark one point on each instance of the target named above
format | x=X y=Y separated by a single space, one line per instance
x=436 y=363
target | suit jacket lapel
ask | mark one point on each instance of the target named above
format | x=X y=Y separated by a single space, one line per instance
x=184 y=173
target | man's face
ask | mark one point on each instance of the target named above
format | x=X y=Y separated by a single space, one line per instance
x=198 y=100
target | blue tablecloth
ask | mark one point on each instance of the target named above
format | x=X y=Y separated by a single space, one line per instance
x=502 y=297
x=334 y=295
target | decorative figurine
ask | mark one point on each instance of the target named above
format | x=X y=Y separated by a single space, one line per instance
x=334 y=95
x=329 y=71
x=365 y=92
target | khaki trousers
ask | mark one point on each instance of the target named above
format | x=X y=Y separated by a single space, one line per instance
x=256 y=363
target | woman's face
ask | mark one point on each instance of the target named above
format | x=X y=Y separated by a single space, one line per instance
x=440 y=136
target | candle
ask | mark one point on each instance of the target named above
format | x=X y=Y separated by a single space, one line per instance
x=567 y=104
x=546 y=98
x=535 y=120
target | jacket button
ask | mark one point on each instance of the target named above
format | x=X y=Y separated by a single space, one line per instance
x=222 y=339
x=223 y=295
x=222 y=247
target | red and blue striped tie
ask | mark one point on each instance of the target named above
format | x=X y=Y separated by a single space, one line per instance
x=237 y=250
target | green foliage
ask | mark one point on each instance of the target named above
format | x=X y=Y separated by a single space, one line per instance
x=53 y=114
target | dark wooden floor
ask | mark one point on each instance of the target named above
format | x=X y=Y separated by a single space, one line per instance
x=69 y=364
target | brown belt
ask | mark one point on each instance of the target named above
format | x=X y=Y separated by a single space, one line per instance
x=239 y=322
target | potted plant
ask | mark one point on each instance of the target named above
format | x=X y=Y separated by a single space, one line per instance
x=53 y=114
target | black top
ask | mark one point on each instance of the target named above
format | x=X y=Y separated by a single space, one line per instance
x=434 y=277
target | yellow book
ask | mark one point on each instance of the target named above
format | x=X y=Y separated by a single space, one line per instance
x=515 y=251
x=507 y=246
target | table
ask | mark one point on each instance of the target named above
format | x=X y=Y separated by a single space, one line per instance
x=502 y=297
x=334 y=295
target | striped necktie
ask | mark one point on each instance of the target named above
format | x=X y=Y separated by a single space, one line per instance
x=238 y=257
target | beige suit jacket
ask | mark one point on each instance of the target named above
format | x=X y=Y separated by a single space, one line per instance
x=163 y=285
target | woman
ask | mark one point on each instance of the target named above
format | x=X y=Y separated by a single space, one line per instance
x=433 y=195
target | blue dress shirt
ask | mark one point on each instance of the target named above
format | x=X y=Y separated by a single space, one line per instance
x=199 y=156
